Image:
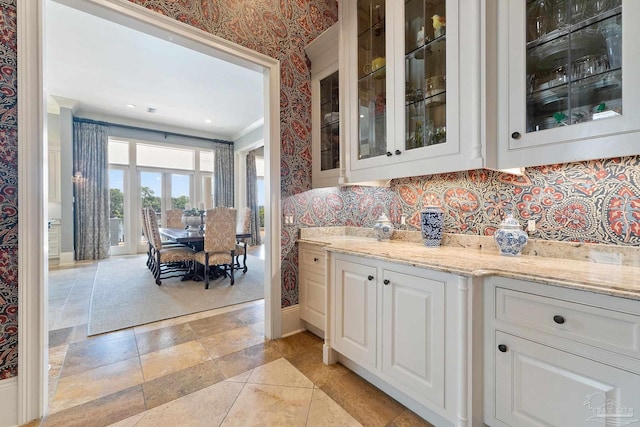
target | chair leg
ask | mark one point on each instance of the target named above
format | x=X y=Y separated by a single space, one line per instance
x=244 y=259
x=232 y=265
x=206 y=271
x=156 y=272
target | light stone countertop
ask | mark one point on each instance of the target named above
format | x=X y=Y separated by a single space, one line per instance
x=607 y=269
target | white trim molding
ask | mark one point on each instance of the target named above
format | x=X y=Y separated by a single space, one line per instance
x=32 y=168
x=9 y=402
x=291 y=323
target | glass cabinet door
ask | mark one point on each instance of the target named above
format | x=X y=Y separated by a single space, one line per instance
x=425 y=73
x=372 y=105
x=330 y=127
x=573 y=62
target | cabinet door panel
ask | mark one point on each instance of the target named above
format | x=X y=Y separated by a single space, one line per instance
x=538 y=385
x=413 y=334
x=355 y=306
x=312 y=298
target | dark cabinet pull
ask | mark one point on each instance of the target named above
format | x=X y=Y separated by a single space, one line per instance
x=515 y=135
x=398 y=152
x=370 y=278
x=389 y=154
x=386 y=281
x=558 y=319
x=502 y=348
x=315 y=260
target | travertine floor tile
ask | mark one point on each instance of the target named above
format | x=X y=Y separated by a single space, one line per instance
x=180 y=383
x=59 y=337
x=99 y=351
x=363 y=401
x=269 y=405
x=95 y=383
x=249 y=358
x=293 y=344
x=309 y=362
x=206 y=408
x=231 y=341
x=241 y=378
x=215 y=325
x=172 y=359
x=325 y=412
x=164 y=337
x=100 y=412
x=279 y=372
x=408 y=419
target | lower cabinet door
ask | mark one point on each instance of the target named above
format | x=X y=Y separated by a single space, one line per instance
x=354 y=333
x=413 y=341
x=312 y=298
x=537 y=385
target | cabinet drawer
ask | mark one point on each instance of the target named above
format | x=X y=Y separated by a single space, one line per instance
x=311 y=258
x=604 y=328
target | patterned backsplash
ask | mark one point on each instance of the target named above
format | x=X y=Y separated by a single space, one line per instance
x=596 y=201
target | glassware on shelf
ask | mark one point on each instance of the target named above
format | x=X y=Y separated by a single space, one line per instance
x=612 y=34
x=559 y=13
x=378 y=21
x=537 y=15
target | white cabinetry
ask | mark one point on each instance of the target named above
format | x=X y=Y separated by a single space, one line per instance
x=326 y=149
x=54 y=236
x=559 y=357
x=413 y=103
x=54 y=175
x=392 y=320
x=564 y=93
x=312 y=267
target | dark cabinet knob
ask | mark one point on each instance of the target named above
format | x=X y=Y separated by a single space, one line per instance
x=398 y=152
x=386 y=281
x=370 y=278
x=315 y=260
x=515 y=135
x=558 y=319
x=502 y=348
x=389 y=154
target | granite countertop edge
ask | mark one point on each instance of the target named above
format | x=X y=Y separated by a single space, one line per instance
x=466 y=260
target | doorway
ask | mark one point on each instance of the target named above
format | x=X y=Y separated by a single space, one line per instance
x=32 y=382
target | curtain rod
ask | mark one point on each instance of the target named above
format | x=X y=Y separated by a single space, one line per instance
x=217 y=141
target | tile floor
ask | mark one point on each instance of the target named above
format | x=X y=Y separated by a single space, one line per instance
x=211 y=368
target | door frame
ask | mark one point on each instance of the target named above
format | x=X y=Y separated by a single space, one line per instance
x=32 y=387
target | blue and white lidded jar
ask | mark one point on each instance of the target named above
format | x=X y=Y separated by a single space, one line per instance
x=510 y=237
x=383 y=228
x=432 y=221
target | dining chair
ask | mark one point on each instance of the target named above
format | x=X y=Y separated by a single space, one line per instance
x=145 y=233
x=219 y=243
x=243 y=227
x=167 y=261
x=174 y=218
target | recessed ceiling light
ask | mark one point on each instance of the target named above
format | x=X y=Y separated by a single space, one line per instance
x=131 y=106
x=207 y=120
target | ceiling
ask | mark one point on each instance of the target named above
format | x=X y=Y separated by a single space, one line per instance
x=100 y=67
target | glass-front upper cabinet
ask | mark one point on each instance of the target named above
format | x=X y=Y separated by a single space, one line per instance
x=326 y=147
x=425 y=68
x=568 y=80
x=407 y=65
x=372 y=74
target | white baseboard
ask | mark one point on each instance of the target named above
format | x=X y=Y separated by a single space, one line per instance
x=66 y=258
x=291 y=323
x=9 y=402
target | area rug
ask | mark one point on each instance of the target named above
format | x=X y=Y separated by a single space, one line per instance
x=125 y=294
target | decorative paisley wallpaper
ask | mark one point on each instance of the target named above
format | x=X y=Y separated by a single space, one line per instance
x=597 y=201
x=8 y=191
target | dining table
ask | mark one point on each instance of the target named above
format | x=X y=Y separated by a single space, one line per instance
x=194 y=238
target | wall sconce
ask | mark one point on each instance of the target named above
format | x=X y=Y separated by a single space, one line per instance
x=77 y=177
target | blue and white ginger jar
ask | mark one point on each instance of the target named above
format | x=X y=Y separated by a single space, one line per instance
x=383 y=228
x=432 y=221
x=510 y=237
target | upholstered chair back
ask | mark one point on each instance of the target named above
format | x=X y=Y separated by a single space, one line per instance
x=244 y=222
x=220 y=231
x=174 y=218
x=145 y=227
x=154 y=232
